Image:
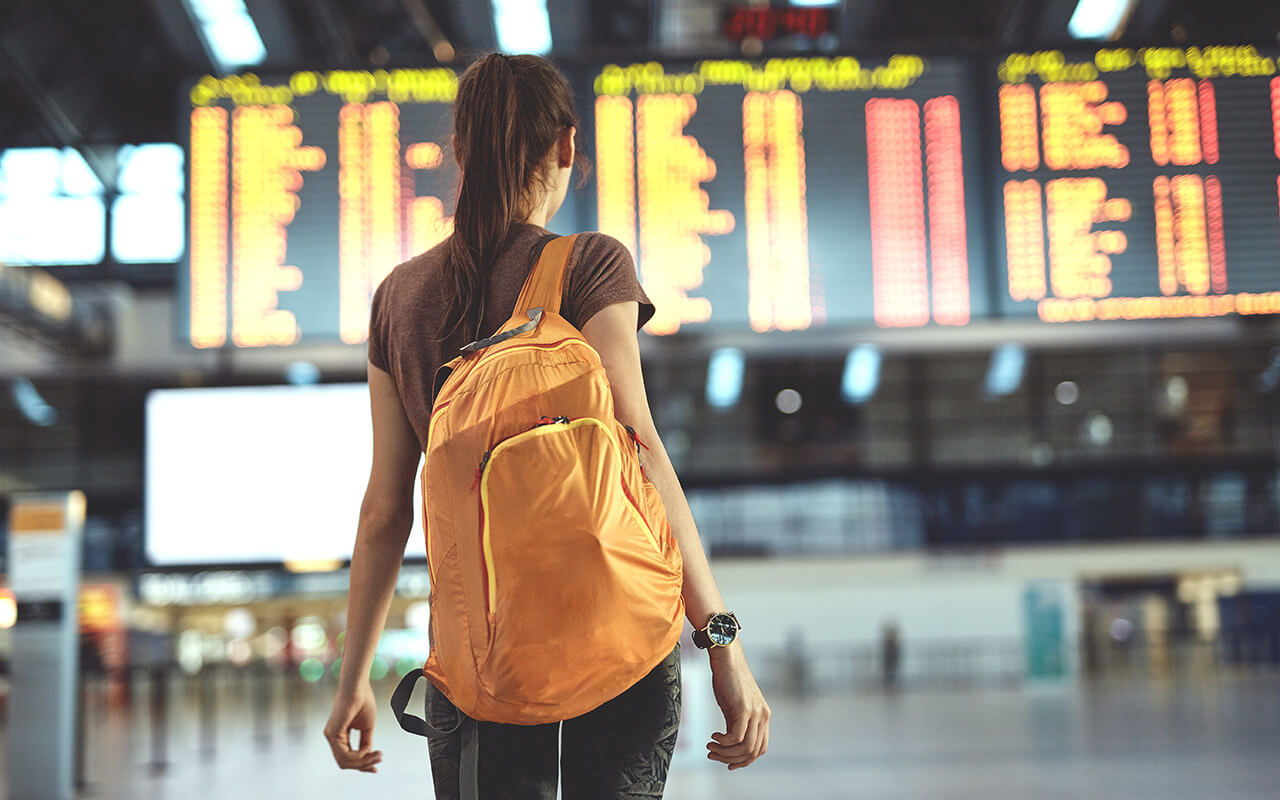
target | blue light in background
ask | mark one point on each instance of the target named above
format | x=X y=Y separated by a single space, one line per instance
x=1004 y=372
x=33 y=407
x=724 y=377
x=302 y=373
x=228 y=32
x=522 y=26
x=861 y=374
x=1099 y=19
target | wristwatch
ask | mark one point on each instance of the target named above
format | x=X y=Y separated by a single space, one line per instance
x=721 y=631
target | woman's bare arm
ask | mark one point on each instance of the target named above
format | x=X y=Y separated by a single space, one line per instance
x=612 y=332
x=386 y=517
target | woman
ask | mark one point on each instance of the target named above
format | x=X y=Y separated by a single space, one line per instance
x=513 y=137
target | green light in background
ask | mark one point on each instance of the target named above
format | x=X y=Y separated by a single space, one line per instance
x=405 y=665
x=378 y=669
x=311 y=670
x=336 y=667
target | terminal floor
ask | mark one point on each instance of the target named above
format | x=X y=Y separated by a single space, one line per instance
x=1126 y=740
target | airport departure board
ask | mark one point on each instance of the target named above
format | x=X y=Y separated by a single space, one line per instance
x=1139 y=183
x=795 y=193
x=304 y=193
x=776 y=195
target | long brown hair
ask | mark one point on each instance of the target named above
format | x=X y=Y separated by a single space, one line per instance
x=509 y=112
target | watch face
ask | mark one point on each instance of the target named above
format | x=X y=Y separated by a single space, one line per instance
x=722 y=630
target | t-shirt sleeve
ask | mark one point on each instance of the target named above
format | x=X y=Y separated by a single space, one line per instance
x=379 y=328
x=604 y=273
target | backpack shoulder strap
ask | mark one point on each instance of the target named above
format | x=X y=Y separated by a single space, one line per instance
x=545 y=283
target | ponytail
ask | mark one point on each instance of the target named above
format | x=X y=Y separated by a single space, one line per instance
x=509 y=112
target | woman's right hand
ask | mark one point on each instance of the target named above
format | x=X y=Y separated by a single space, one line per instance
x=353 y=710
x=746 y=714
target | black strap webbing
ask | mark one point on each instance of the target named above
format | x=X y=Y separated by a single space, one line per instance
x=469 y=768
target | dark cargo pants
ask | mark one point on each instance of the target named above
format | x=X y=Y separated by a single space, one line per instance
x=620 y=750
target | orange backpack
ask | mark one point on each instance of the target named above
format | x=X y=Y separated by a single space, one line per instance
x=555 y=580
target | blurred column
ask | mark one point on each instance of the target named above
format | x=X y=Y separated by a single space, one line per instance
x=44 y=572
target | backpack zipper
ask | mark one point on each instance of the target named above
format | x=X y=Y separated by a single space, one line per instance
x=484 y=462
x=631 y=432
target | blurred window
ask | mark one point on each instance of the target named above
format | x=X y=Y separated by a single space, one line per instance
x=51 y=208
x=147 y=223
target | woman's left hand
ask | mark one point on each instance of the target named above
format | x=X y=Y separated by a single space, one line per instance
x=354 y=710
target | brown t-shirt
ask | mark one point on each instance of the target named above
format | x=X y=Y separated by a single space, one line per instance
x=410 y=305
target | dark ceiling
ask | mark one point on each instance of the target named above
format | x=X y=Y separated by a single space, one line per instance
x=90 y=72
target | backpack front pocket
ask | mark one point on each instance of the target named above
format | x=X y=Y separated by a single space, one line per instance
x=568 y=558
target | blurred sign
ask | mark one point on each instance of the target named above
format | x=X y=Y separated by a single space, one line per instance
x=822 y=190
x=771 y=22
x=44 y=559
x=1140 y=183
x=793 y=193
x=206 y=588
x=337 y=177
x=238 y=587
x=45 y=532
x=1043 y=612
x=258 y=475
x=100 y=608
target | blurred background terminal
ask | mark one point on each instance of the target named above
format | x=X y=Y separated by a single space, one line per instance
x=967 y=352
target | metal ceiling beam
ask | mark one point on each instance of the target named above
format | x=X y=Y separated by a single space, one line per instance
x=276 y=31
x=57 y=124
x=179 y=32
x=335 y=37
x=475 y=30
x=431 y=32
x=1046 y=23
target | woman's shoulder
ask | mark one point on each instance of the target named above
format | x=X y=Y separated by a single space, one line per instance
x=597 y=256
x=417 y=269
x=602 y=246
x=603 y=273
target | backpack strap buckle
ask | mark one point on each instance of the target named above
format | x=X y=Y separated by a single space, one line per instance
x=535 y=315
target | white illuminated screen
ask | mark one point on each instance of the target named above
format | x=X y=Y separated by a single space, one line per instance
x=259 y=474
